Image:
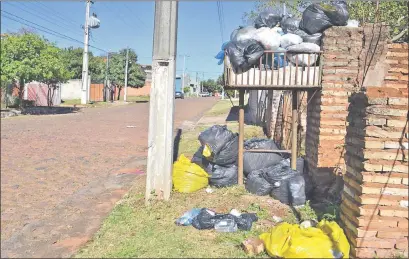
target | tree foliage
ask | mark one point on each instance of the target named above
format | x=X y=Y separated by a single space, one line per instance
x=116 y=72
x=27 y=57
x=73 y=57
x=211 y=85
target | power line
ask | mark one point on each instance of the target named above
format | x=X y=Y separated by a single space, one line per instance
x=43 y=18
x=66 y=18
x=46 y=30
x=128 y=8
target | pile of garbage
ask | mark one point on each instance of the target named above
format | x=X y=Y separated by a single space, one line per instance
x=215 y=164
x=284 y=33
x=202 y=218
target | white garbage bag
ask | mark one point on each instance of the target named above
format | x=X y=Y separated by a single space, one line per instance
x=290 y=39
x=353 y=23
x=305 y=47
x=243 y=34
x=269 y=39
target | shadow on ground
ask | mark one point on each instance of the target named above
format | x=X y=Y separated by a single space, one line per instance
x=44 y=110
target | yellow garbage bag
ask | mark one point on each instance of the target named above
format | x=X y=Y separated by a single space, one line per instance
x=327 y=240
x=188 y=177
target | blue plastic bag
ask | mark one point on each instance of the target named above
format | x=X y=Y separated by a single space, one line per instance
x=220 y=55
x=187 y=218
x=278 y=60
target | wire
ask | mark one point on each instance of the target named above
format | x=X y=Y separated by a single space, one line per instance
x=133 y=14
x=66 y=18
x=47 y=30
x=42 y=18
x=219 y=14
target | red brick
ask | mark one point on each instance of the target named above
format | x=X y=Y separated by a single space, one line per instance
x=379 y=199
x=376 y=253
x=398 y=70
x=371 y=222
x=403 y=223
x=374 y=242
x=378 y=92
x=402 y=244
x=403 y=61
x=396 y=85
x=392 y=233
x=397 y=54
x=393 y=211
x=393 y=178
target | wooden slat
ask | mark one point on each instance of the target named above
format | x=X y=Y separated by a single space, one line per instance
x=267 y=151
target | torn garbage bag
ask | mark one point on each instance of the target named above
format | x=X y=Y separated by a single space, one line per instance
x=220 y=55
x=244 y=54
x=223 y=176
x=208 y=218
x=267 y=19
x=255 y=161
x=303 y=59
x=257 y=184
x=337 y=12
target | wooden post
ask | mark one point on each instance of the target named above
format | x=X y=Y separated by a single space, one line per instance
x=241 y=136
x=294 y=131
x=160 y=141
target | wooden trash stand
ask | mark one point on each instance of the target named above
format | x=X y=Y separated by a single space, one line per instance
x=291 y=76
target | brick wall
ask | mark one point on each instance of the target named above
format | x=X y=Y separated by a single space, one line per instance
x=374 y=209
x=328 y=109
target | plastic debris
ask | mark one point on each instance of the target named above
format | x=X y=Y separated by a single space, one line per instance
x=187 y=218
x=225 y=225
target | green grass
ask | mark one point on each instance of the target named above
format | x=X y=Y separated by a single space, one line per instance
x=131 y=99
x=136 y=230
x=222 y=107
x=71 y=102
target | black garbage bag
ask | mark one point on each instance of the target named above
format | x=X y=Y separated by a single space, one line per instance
x=288 y=186
x=244 y=54
x=297 y=190
x=228 y=155
x=315 y=38
x=255 y=161
x=257 y=184
x=290 y=24
x=245 y=221
x=216 y=137
x=337 y=12
x=207 y=219
x=267 y=19
x=223 y=176
x=201 y=161
x=314 y=19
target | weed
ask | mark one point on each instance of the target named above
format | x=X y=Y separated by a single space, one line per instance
x=306 y=212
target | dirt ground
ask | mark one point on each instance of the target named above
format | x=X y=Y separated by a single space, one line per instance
x=62 y=174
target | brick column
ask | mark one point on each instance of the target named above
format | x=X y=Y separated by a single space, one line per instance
x=374 y=209
x=328 y=109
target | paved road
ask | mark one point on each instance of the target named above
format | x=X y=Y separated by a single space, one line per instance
x=62 y=174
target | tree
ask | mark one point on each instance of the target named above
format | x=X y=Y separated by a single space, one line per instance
x=211 y=86
x=136 y=76
x=53 y=70
x=20 y=60
x=74 y=57
x=393 y=13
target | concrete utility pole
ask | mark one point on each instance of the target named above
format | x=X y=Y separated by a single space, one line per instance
x=126 y=74
x=106 y=80
x=85 y=56
x=162 y=101
x=184 y=70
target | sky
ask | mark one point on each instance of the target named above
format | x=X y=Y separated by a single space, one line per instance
x=130 y=23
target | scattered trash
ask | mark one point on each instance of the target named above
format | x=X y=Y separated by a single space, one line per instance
x=253 y=246
x=308 y=224
x=277 y=219
x=235 y=212
x=207 y=219
x=187 y=218
x=225 y=225
x=187 y=176
x=209 y=190
x=131 y=126
x=326 y=240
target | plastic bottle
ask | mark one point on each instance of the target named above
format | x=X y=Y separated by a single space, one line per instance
x=226 y=225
